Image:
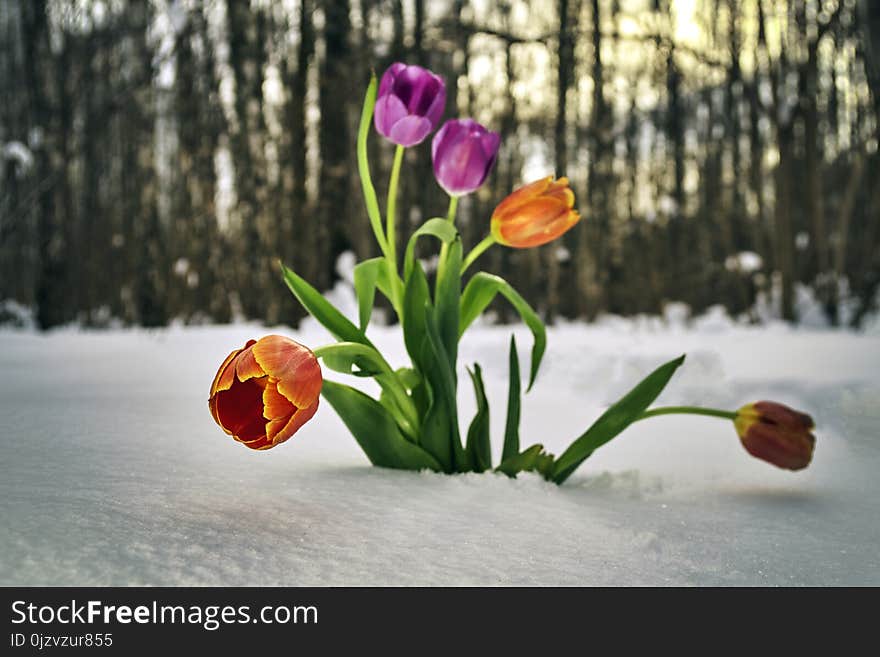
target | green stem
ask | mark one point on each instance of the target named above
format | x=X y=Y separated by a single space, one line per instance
x=390 y=232
x=477 y=251
x=453 y=206
x=450 y=217
x=687 y=410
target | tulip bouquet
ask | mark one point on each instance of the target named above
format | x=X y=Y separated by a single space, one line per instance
x=264 y=392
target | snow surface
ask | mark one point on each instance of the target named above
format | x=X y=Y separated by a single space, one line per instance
x=113 y=472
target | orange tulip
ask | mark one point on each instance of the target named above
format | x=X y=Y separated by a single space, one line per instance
x=776 y=434
x=264 y=392
x=535 y=214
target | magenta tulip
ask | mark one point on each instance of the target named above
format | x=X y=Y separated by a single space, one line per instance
x=409 y=104
x=463 y=152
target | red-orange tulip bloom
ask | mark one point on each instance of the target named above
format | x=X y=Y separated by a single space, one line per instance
x=265 y=392
x=535 y=214
x=776 y=433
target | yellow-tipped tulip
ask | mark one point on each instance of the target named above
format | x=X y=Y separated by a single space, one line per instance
x=535 y=214
x=265 y=391
x=776 y=434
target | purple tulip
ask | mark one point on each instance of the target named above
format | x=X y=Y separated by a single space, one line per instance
x=463 y=152
x=409 y=104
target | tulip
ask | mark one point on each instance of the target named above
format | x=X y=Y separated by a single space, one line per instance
x=463 y=152
x=535 y=214
x=776 y=434
x=264 y=392
x=409 y=104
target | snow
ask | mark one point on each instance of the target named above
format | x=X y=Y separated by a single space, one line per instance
x=15 y=151
x=113 y=472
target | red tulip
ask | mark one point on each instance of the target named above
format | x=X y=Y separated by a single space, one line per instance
x=535 y=214
x=264 y=392
x=776 y=434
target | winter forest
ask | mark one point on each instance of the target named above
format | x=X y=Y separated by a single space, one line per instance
x=158 y=157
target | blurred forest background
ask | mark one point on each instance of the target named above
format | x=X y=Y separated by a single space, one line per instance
x=158 y=156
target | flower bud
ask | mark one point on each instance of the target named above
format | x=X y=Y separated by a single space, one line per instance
x=463 y=152
x=776 y=434
x=264 y=392
x=535 y=214
x=409 y=104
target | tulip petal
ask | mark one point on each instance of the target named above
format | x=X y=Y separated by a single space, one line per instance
x=274 y=427
x=246 y=366
x=227 y=381
x=212 y=406
x=275 y=405
x=461 y=167
x=435 y=111
x=263 y=442
x=410 y=130
x=791 y=450
x=438 y=139
x=253 y=430
x=389 y=110
x=490 y=142
x=463 y=152
x=240 y=409
x=408 y=86
x=298 y=419
x=783 y=415
x=564 y=194
x=226 y=374
x=540 y=221
x=521 y=195
x=294 y=366
x=388 y=78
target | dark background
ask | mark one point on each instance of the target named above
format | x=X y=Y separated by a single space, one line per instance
x=157 y=157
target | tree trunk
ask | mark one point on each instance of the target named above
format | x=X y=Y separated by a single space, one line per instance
x=336 y=86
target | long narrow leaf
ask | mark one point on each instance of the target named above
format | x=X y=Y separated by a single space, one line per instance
x=478 y=446
x=416 y=296
x=447 y=299
x=436 y=227
x=443 y=384
x=322 y=310
x=353 y=358
x=478 y=294
x=364 y=165
x=436 y=433
x=369 y=275
x=375 y=430
x=511 y=428
x=614 y=420
x=362 y=360
x=532 y=459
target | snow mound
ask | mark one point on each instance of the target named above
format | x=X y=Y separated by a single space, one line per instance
x=113 y=472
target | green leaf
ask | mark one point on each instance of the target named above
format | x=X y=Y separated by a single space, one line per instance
x=511 y=428
x=375 y=430
x=436 y=227
x=364 y=165
x=447 y=299
x=534 y=458
x=478 y=446
x=353 y=358
x=408 y=377
x=478 y=294
x=368 y=275
x=362 y=360
x=442 y=380
x=322 y=310
x=614 y=420
x=436 y=433
x=416 y=296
